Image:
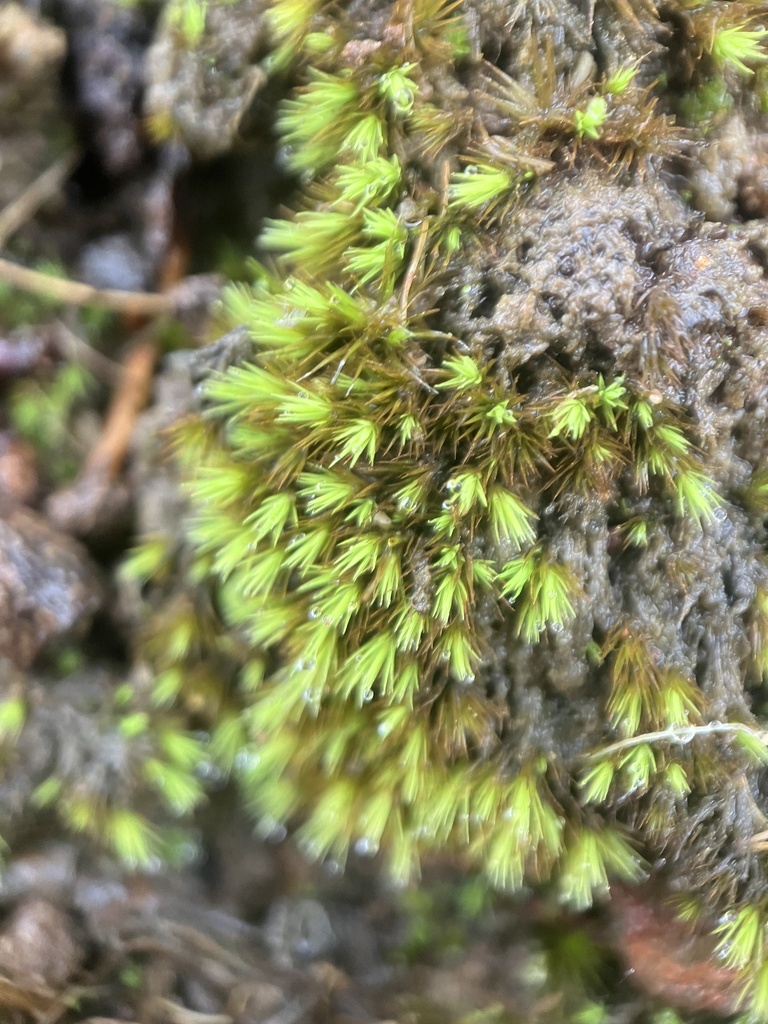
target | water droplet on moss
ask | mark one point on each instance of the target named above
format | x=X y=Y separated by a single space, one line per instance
x=366 y=848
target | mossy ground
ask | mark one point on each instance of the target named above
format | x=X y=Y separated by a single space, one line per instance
x=485 y=503
x=473 y=566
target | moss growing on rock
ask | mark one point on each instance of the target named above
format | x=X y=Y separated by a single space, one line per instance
x=483 y=511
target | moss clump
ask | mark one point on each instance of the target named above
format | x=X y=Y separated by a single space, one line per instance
x=478 y=514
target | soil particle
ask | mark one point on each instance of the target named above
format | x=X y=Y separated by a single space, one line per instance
x=96 y=508
x=38 y=946
x=18 y=468
x=48 y=586
x=299 y=930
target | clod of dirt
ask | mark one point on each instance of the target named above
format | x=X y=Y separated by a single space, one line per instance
x=48 y=586
x=96 y=508
x=299 y=930
x=38 y=946
x=206 y=90
x=31 y=55
x=18 y=468
x=46 y=872
x=729 y=176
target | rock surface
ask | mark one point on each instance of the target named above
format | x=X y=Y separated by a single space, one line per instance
x=48 y=586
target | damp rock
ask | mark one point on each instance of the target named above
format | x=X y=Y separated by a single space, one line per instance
x=48 y=586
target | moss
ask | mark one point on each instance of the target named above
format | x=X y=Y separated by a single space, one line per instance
x=474 y=514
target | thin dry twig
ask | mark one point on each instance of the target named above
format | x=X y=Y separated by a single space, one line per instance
x=418 y=252
x=25 y=206
x=177 y=1014
x=72 y=346
x=131 y=395
x=678 y=735
x=75 y=293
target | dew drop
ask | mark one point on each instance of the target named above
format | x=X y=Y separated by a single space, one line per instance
x=720 y=515
x=556 y=627
x=366 y=848
x=403 y=99
x=313 y=613
x=368 y=696
x=277 y=835
x=246 y=760
x=273 y=832
x=211 y=773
